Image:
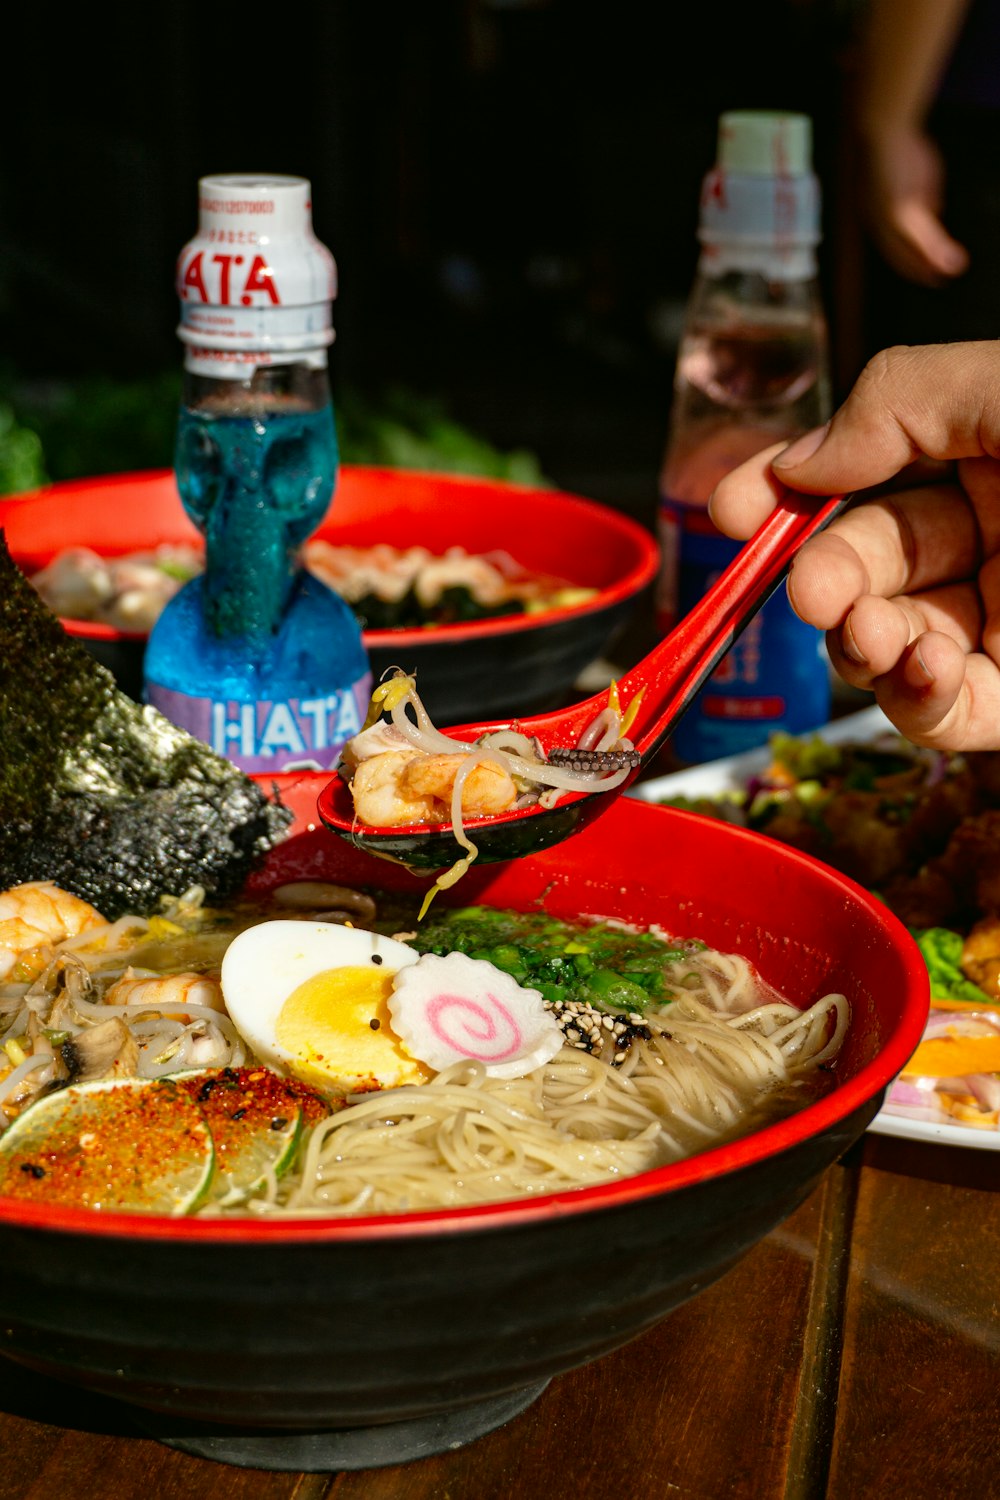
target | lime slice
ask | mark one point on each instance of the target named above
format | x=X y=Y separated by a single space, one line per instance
x=256 y=1119
x=140 y=1145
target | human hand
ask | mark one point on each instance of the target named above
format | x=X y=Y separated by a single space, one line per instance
x=907 y=583
x=903 y=196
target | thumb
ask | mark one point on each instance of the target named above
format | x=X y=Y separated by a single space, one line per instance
x=939 y=252
x=939 y=401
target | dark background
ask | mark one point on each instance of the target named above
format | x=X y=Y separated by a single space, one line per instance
x=510 y=191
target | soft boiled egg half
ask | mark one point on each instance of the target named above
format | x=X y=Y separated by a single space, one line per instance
x=312 y=998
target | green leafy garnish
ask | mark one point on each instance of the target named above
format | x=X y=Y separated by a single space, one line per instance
x=402 y=428
x=596 y=963
x=22 y=466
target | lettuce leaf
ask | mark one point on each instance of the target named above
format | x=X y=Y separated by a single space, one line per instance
x=806 y=758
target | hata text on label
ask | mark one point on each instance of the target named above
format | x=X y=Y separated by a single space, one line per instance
x=221 y=280
x=295 y=728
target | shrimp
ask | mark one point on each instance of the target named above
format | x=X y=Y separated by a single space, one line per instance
x=160 y=990
x=77 y=583
x=381 y=801
x=406 y=786
x=35 y=916
x=488 y=788
x=458 y=570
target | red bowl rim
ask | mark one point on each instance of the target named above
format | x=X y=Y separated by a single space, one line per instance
x=637 y=577
x=716 y=1162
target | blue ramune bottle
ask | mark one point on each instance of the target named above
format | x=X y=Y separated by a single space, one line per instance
x=752 y=370
x=257 y=656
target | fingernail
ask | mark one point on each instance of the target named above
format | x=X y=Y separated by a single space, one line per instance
x=803 y=448
x=921 y=665
x=849 y=645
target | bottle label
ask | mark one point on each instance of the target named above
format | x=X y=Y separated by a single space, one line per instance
x=255 y=284
x=774 y=676
x=692 y=555
x=294 y=734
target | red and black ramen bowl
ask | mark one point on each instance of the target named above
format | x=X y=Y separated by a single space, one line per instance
x=341 y=1343
x=484 y=668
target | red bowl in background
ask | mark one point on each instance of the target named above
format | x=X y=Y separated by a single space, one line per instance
x=340 y=1343
x=482 y=669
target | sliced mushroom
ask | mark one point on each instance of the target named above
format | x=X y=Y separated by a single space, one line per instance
x=105 y=1051
x=375 y=740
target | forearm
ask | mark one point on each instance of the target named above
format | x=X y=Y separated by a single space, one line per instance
x=905 y=47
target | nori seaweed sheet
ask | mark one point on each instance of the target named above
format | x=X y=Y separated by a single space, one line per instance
x=103 y=795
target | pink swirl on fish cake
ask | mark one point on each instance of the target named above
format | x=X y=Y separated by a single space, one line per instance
x=493 y=1022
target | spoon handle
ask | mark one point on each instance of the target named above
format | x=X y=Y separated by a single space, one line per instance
x=675 y=669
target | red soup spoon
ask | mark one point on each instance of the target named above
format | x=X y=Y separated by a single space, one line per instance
x=668 y=678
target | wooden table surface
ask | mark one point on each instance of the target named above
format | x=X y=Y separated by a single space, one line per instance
x=854 y=1353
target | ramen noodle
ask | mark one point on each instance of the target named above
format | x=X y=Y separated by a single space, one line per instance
x=580 y=1052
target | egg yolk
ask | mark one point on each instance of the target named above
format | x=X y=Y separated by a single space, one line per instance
x=327 y=1025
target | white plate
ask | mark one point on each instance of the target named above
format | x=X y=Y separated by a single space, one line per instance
x=944 y=1134
x=732 y=774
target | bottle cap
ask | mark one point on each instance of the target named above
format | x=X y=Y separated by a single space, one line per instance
x=255 y=284
x=760 y=203
x=759 y=143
